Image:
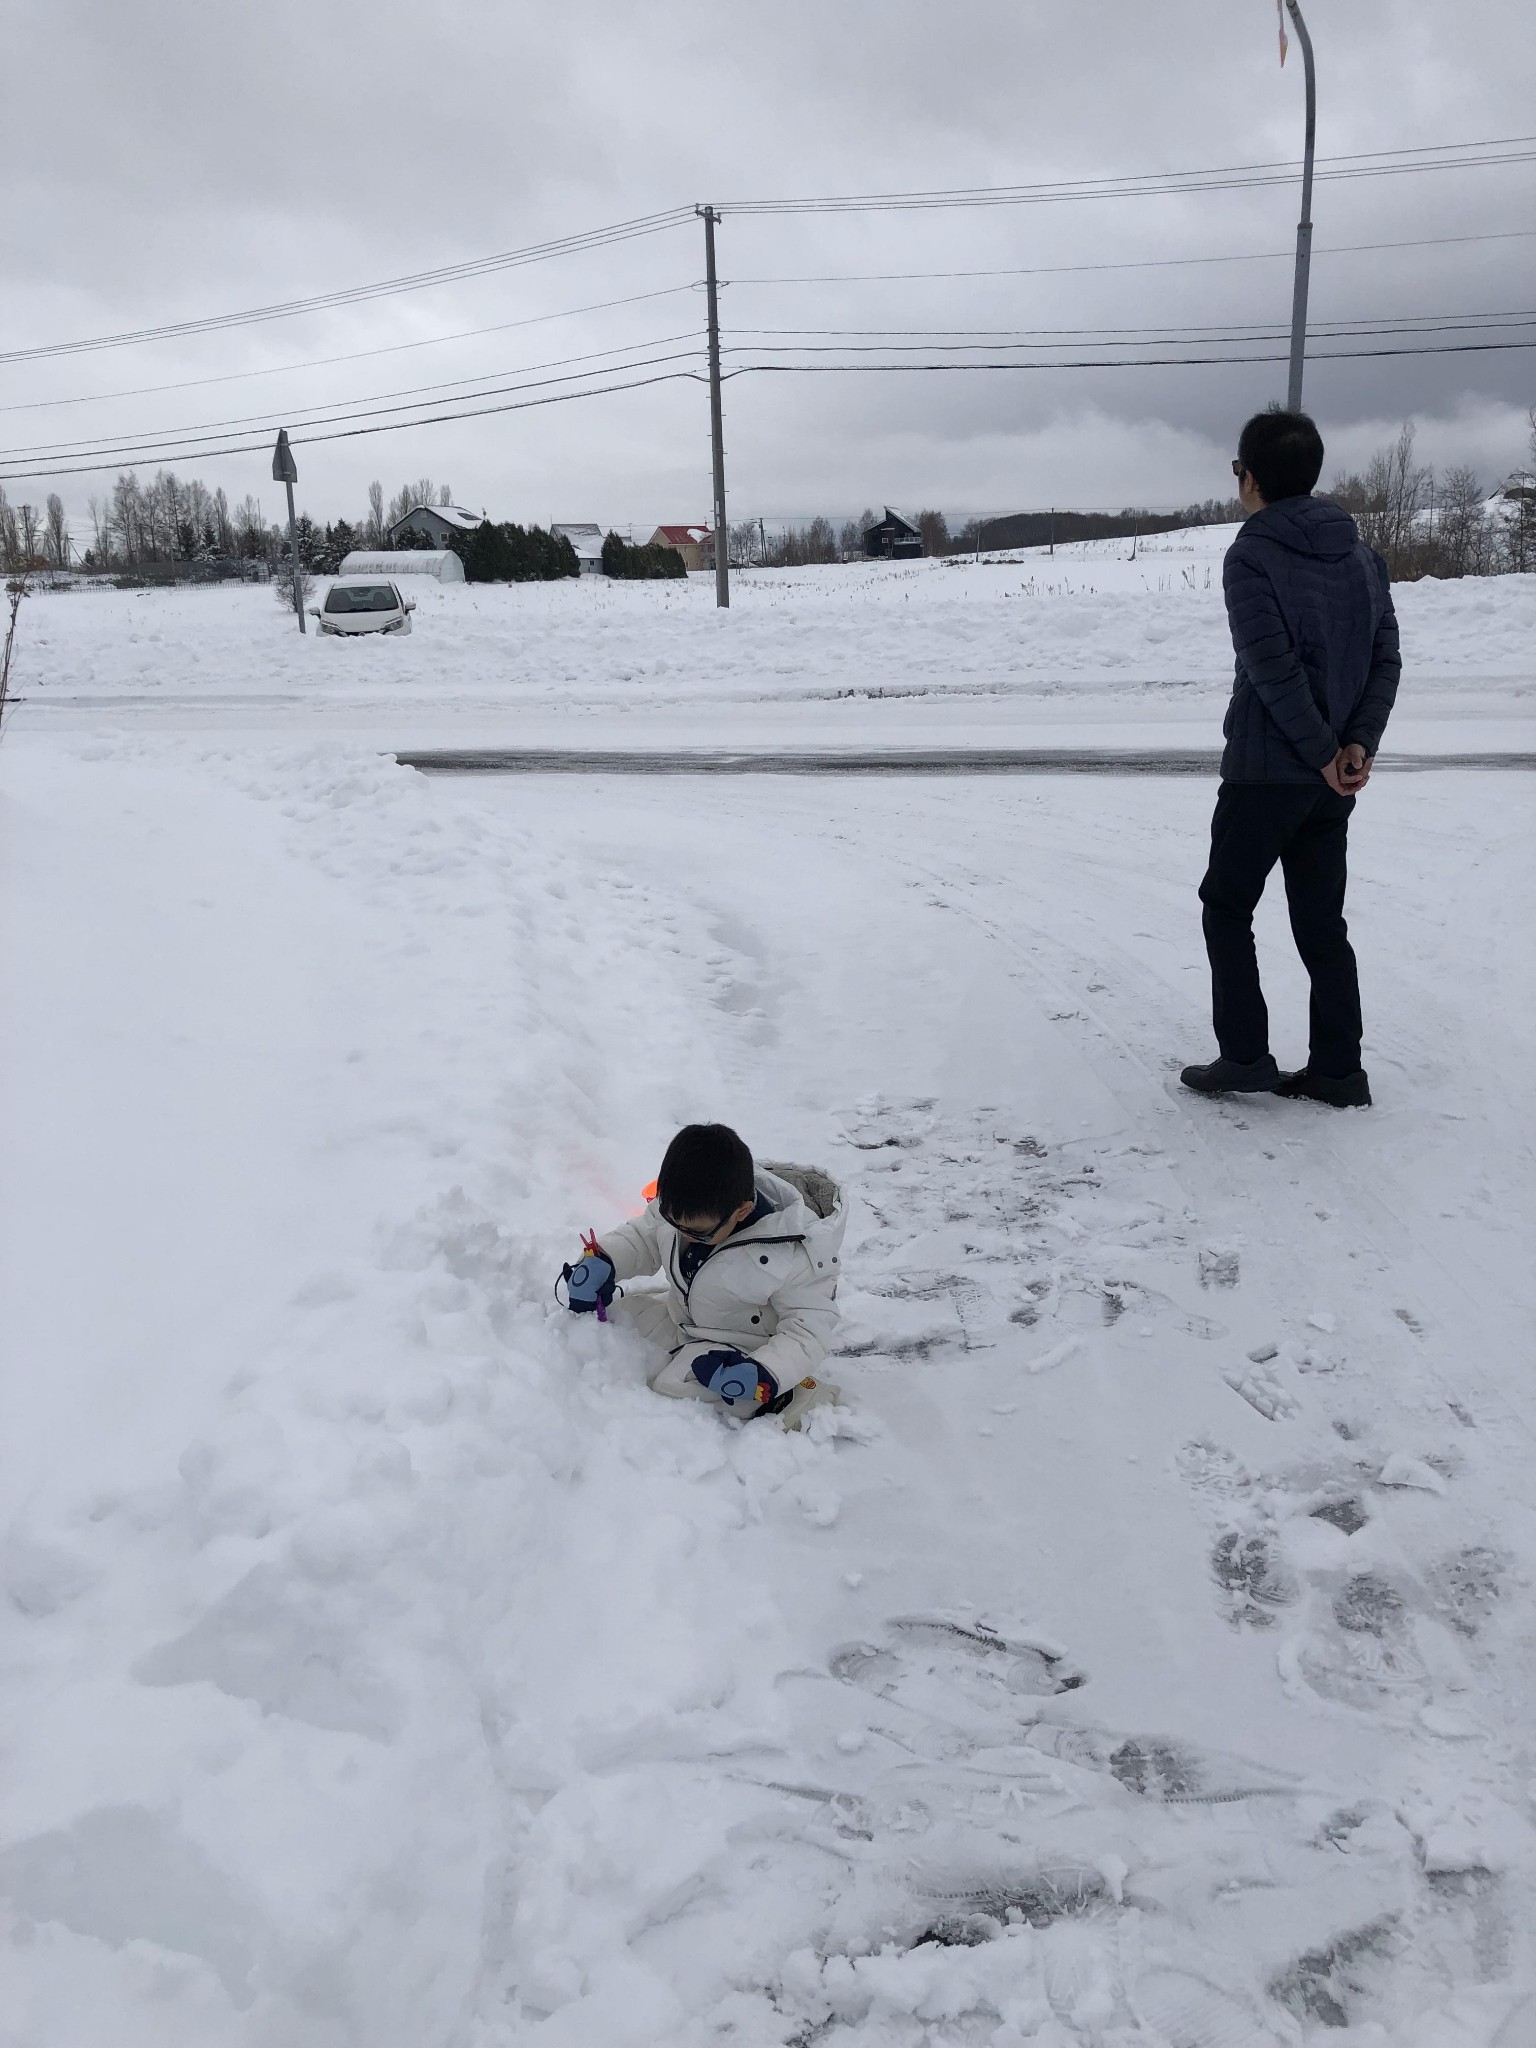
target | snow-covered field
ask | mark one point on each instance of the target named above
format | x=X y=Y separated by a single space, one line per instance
x=1143 y=1654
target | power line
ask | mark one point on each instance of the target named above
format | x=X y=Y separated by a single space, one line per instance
x=1138 y=263
x=1505 y=149
x=159 y=435
x=394 y=426
x=890 y=339
x=1045 y=337
x=178 y=446
x=359 y=355
x=451 y=273
x=1373 y=163
x=1123 y=362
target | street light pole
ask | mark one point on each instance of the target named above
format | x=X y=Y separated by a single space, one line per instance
x=1304 y=225
x=716 y=428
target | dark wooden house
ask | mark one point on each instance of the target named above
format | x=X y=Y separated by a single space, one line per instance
x=894 y=538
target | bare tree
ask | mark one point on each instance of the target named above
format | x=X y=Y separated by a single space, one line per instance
x=445 y=494
x=10 y=534
x=744 y=544
x=409 y=496
x=934 y=528
x=56 y=532
x=101 y=542
x=373 y=526
x=1462 y=544
x=15 y=590
x=1519 y=543
x=31 y=535
x=251 y=530
x=223 y=526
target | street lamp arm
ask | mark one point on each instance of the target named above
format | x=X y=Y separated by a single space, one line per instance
x=1304 y=225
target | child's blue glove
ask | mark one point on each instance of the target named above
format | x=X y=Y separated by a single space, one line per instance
x=589 y=1284
x=742 y=1384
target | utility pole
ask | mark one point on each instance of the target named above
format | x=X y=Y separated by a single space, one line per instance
x=286 y=471
x=1304 y=226
x=716 y=429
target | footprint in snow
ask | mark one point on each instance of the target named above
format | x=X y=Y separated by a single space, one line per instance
x=957 y=1671
x=1249 y=1569
x=1260 y=1387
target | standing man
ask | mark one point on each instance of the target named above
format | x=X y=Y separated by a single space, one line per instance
x=1317 y=668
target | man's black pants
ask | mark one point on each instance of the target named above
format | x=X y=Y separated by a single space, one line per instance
x=1304 y=827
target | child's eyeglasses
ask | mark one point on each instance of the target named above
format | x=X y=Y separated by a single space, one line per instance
x=699 y=1236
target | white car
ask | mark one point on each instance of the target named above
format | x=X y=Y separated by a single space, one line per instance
x=364 y=604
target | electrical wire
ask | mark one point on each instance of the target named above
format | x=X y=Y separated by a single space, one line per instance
x=1125 y=362
x=1503 y=149
x=173 y=446
x=394 y=426
x=1137 y=263
x=158 y=435
x=1045 y=337
x=1230 y=177
x=359 y=355
x=351 y=295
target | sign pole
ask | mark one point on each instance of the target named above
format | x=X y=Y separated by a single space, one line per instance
x=286 y=471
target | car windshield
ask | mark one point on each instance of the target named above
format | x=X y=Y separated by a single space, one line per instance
x=362 y=597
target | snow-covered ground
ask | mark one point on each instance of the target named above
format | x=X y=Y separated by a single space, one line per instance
x=1083 y=646
x=1143 y=1654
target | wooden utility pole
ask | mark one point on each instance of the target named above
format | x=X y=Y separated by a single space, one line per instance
x=716 y=428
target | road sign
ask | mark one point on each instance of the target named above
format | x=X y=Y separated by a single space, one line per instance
x=284 y=469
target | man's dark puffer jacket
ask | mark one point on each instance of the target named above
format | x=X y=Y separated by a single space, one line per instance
x=1316 y=640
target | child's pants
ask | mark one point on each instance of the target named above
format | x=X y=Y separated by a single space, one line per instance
x=649 y=1315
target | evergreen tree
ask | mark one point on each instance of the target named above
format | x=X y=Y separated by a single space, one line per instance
x=490 y=557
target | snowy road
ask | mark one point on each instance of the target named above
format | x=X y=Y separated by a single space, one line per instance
x=1143 y=1655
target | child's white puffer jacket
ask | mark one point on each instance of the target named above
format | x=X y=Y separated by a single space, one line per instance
x=769 y=1290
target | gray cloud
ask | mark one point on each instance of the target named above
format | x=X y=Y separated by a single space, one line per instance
x=181 y=160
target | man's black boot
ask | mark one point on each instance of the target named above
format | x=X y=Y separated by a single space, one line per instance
x=1233 y=1077
x=1339 y=1091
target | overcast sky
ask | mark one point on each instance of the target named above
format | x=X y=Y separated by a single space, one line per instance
x=170 y=161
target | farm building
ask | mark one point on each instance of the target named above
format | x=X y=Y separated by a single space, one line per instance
x=587 y=539
x=696 y=544
x=440 y=524
x=894 y=538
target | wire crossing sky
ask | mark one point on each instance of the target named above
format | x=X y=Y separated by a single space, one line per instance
x=974 y=267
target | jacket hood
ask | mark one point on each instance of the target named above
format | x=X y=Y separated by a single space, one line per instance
x=1307 y=526
x=806 y=1203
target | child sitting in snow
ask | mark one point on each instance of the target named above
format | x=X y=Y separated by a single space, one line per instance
x=750 y=1256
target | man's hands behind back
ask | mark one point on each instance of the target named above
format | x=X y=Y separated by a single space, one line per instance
x=1349 y=770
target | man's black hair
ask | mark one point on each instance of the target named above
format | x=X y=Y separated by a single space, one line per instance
x=1283 y=453
x=706 y=1175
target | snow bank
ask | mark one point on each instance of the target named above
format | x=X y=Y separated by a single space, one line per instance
x=385 y=1664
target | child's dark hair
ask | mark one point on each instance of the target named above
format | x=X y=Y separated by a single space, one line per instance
x=1282 y=452
x=706 y=1175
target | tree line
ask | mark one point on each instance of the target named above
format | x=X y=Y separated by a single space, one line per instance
x=1424 y=524
x=171 y=520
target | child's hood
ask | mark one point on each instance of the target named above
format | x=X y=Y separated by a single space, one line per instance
x=807 y=1202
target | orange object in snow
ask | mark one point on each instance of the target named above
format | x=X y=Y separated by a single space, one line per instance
x=648 y=1192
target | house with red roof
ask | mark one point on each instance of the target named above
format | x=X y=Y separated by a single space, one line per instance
x=696 y=544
